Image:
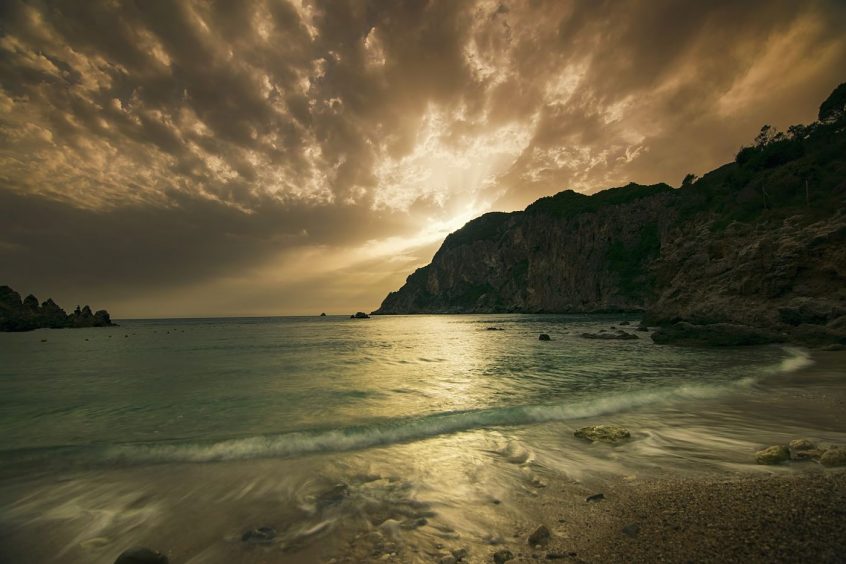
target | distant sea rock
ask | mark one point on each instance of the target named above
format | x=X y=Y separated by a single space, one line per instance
x=752 y=252
x=359 y=315
x=26 y=314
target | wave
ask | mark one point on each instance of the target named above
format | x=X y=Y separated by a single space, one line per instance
x=397 y=431
x=412 y=429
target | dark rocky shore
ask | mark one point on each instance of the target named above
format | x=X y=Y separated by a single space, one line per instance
x=752 y=252
x=25 y=315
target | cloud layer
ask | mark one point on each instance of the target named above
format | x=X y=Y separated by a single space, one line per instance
x=293 y=155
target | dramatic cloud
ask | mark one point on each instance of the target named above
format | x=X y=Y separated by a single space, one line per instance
x=287 y=156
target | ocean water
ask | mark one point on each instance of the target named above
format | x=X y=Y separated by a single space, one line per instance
x=360 y=435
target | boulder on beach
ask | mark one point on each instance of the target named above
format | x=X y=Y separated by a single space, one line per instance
x=502 y=556
x=544 y=337
x=772 y=455
x=834 y=456
x=602 y=433
x=141 y=555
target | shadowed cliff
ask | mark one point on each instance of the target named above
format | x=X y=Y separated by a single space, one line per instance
x=756 y=245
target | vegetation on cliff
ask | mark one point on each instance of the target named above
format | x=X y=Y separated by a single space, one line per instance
x=27 y=314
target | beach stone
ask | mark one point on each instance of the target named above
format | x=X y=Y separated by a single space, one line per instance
x=595 y=497
x=262 y=535
x=631 y=530
x=835 y=456
x=544 y=337
x=459 y=554
x=540 y=536
x=801 y=444
x=806 y=455
x=448 y=559
x=141 y=555
x=501 y=556
x=772 y=455
x=603 y=433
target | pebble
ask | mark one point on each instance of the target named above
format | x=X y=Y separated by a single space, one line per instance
x=595 y=497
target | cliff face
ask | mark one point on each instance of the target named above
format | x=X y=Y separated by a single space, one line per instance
x=758 y=243
x=26 y=314
x=544 y=260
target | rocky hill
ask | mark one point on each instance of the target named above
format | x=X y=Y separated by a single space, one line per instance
x=754 y=249
x=27 y=314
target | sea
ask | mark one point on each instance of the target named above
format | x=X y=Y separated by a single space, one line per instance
x=395 y=438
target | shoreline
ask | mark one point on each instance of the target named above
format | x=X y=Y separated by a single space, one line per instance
x=684 y=488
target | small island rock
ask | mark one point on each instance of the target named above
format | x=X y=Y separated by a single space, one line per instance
x=544 y=337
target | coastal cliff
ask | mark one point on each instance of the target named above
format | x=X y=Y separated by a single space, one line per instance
x=25 y=315
x=755 y=248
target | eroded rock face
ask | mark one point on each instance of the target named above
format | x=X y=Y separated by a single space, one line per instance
x=603 y=433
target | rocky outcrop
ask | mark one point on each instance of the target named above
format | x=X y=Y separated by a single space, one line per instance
x=752 y=252
x=26 y=314
x=566 y=253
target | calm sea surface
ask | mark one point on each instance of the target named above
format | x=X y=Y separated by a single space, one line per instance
x=242 y=411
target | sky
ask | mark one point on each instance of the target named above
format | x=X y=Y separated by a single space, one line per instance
x=288 y=157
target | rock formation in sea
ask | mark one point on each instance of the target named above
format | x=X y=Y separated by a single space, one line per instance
x=755 y=249
x=26 y=314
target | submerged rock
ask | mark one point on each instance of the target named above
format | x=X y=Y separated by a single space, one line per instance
x=141 y=555
x=617 y=335
x=333 y=495
x=544 y=337
x=772 y=455
x=602 y=433
x=835 y=456
x=262 y=535
x=540 y=536
x=714 y=334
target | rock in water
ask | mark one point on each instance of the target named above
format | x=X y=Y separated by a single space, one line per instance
x=360 y=315
x=539 y=537
x=262 y=535
x=503 y=556
x=714 y=334
x=333 y=495
x=773 y=455
x=602 y=433
x=141 y=555
x=835 y=456
x=617 y=335
x=803 y=449
x=544 y=337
